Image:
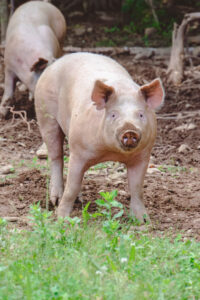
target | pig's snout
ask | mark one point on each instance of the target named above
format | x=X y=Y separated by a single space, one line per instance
x=130 y=139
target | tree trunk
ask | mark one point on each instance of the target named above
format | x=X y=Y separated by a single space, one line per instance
x=175 y=69
x=3 y=19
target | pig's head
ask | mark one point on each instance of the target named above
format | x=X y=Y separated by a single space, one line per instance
x=129 y=119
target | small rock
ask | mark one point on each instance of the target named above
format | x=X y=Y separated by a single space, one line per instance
x=2 y=139
x=196 y=223
x=122 y=193
x=32 y=152
x=21 y=144
x=183 y=148
x=145 y=55
x=42 y=152
x=198 y=147
x=191 y=126
x=153 y=170
x=30 y=96
x=117 y=176
x=76 y=14
x=121 y=169
x=181 y=127
x=188 y=105
x=21 y=87
x=118 y=182
x=149 y=31
x=168 y=220
x=89 y=29
x=79 y=30
x=7 y=169
x=104 y=16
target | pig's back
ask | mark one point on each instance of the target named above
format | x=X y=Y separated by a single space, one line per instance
x=93 y=65
x=78 y=71
x=35 y=13
x=74 y=75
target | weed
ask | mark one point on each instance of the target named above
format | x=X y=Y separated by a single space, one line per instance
x=146 y=40
x=100 y=166
x=172 y=169
x=108 y=202
x=35 y=164
x=130 y=28
x=86 y=215
x=106 y=43
x=66 y=159
x=111 y=29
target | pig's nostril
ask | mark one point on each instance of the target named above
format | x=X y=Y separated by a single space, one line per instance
x=130 y=139
x=125 y=140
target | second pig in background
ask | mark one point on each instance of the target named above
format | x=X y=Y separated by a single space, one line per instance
x=33 y=40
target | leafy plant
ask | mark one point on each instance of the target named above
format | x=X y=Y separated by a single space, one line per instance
x=65 y=260
x=106 y=205
x=108 y=202
x=111 y=29
x=106 y=43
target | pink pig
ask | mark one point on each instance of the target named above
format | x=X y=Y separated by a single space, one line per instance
x=105 y=115
x=33 y=39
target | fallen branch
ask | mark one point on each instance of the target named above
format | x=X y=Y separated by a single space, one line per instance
x=178 y=115
x=23 y=115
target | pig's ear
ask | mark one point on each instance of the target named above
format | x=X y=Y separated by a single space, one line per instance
x=101 y=93
x=153 y=93
x=39 y=65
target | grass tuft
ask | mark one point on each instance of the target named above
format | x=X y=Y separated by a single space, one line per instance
x=87 y=260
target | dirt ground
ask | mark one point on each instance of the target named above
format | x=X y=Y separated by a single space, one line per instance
x=171 y=188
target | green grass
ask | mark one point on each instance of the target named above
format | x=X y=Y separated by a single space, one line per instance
x=106 y=43
x=81 y=260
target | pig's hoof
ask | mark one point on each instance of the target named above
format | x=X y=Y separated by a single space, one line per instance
x=55 y=200
x=141 y=218
x=56 y=193
x=62 y=212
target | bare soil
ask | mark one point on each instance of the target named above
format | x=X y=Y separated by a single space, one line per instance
x=171 y=192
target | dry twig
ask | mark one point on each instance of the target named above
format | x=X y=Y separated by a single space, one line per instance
x=23 y=115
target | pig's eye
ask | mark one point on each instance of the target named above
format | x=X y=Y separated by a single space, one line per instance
x=141 y=115
x=114 y=115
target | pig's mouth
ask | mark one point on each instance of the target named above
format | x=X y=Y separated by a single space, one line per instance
x=129 y=139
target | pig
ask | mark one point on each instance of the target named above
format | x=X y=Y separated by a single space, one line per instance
x=105 y=115
x=33 y=38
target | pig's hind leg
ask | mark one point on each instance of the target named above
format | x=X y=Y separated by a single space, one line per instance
x=9 y=86
x=74 y=179
x=54 y=137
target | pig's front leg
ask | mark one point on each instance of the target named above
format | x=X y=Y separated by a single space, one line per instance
x=10 y=81
x=56 y=183
x=136 y=173
x=73 y=186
